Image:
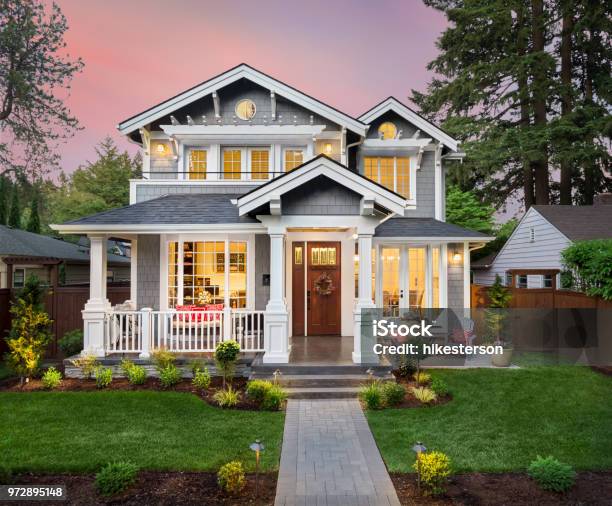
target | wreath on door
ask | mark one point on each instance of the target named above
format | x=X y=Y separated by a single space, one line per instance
x=324 y=284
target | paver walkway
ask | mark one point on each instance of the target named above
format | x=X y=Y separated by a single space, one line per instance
x=329 y=457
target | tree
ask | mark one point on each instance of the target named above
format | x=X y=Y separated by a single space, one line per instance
x=463 y=208
x=502 y=233
x=33 y=67
x=34 y=219
x=14 y=219
x=4 y=189
x=30 y=331
x=588 y=267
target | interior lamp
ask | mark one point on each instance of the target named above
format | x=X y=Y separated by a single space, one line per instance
x=328 y=148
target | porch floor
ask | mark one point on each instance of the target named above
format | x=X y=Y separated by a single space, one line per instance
x=321 y=350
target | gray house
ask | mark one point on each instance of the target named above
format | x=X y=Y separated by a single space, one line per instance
x=265 y=215
x=538 y=240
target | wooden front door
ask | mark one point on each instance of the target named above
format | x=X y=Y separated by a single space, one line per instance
x=323 y=288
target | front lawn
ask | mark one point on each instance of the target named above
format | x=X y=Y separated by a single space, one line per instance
x=81 y=431
x=5 y=372
x=500 y=420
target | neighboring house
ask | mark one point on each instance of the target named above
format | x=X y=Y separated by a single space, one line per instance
x=280 y=216
x=538 y=240
x=23 y=253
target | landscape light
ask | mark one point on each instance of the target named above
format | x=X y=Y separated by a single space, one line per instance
x=419 y=448
x=257 y=447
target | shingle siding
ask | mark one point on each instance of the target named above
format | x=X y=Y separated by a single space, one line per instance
x=150 y=192
x=455 y=279
x=321 y=196
x=148 y=271
x=262 y=266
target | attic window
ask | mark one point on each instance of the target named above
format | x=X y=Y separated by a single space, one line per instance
x=387 y=131
x=245 y=109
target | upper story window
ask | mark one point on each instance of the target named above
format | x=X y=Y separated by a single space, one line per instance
x=246 y=163
x=245 y=109
x=387 y=130
x=260 y=163
x=197 y=164
x=232 y=164
x=293 y=158
x=390 y=171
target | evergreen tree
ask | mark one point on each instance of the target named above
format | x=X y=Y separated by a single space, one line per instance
x=4 y=189
x=34 y=219
x=14 y=219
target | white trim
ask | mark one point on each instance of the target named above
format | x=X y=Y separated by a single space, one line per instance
x=242 y=133
x=466 y=276
x=392 y=104
x=157 y=228
x=394 y=144
x=313 y=169
x=438 y=184
x=240 y=72
x=443 y=275
x=134 y=270
x=431 y=239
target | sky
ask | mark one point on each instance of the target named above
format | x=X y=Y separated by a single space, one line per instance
x=348 y=54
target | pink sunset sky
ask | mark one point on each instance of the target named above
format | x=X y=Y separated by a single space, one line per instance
x=349 y=54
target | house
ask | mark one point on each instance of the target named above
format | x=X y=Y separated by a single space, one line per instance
x=53 y=261
x=265 y=215
x=533 y=252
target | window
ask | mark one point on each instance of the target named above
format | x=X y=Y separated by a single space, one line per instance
x=260 y=164
x=521 y=281
x=18 y=278
x=416 y=277
x=298 y=255
x=293 y=158
x=199 y=273
x=387 y=131
x=547 y=281
x=391 y=172
x=245 y=109
x=435 y=262
x=508 y=279
x=323 y=256
x=232 y=164
x=197 y=164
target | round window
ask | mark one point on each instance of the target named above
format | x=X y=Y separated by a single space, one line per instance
x=245 y=109
x=387 y=130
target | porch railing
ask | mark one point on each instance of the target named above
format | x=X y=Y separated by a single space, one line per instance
x=182 y=331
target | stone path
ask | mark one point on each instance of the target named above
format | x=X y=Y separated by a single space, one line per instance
x=329 y=457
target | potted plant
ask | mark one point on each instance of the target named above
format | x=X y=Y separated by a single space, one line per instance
x=495 y=317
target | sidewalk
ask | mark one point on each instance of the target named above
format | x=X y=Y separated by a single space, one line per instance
x=329 y=457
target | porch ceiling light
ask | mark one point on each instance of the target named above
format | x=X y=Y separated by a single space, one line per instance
x=160 y=148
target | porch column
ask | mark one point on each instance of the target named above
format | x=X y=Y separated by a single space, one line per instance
x=97 y=305
x=276 y=340
x=364 y=301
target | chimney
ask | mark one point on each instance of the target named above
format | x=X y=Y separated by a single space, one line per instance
x=603 y=199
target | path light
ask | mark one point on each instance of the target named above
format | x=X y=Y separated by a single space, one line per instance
x=419 y=448
x=276 y=374
x=370 y=373
x=257 y=447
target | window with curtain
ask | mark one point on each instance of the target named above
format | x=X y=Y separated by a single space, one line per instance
x=197 y=164
x=390 y=171
x=435 y=260
x=260 y=164
x=416 y=277
x=293 y=158
x=232 y=164
x=238 y=275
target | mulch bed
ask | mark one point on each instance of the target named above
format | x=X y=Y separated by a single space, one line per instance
x=516 y=489
x=606 y=370
x=154 y=488
x=410 y=401
x=89 y=385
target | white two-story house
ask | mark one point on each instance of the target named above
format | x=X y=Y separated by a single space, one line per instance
x=265 y=215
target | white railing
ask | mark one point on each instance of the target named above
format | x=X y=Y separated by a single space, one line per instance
x=182 y=331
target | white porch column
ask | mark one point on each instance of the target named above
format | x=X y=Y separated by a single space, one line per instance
x=97 y=305
x=134 y=271
x=276 y=340
x=364 y=301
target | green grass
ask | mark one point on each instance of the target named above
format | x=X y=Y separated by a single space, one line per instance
x=500 y=420
x=5 y=372
x=81 y=431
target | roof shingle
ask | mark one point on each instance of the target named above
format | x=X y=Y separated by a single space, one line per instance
x=580 y=223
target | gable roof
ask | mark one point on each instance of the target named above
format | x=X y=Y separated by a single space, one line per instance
x=19 y=243
x=321 y=165
x=427 y=227
x=393 y=104
x=242 y=71
x=579 y=223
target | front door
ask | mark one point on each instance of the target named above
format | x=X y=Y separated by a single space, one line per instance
x=323 y=288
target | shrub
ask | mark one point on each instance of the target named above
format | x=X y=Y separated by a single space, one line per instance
x=169 y=376
x=136 y=375
x=71 y=343
x=257 y=390
x=226 y=355
x=439 y=386
x=104 y=376
x=589 y=267
x=201 y=379
x=392 y=393
x=115 y=477
x=88 y=364
x=226 y=398
x=162 y=359
x=434 y=468
x=126 y=365
x=371 y=395
x=195 y=366
x=552 y=474
x=52 y=378
x=406 y=367
x=421 y=378
x=424 y=394
x=30 y=331
x=231 y=477
x=274 y=398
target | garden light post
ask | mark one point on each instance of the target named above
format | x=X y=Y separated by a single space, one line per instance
x=257 y=447
x=418 y=448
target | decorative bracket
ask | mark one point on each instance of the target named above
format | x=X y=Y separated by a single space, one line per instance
x=273 y=105
x=217 y=104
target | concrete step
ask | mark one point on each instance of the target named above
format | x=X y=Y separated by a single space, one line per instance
x=322 y=393
x=321 y=380
x=318 y=369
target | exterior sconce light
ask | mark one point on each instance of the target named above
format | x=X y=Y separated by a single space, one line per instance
x=328 y=148
x=456 y=256
x=161 y=149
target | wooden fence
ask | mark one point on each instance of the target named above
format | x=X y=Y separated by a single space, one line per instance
x=64 y=305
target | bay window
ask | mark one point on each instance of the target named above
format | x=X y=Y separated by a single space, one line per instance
x=203 y=273
x=392 y=172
